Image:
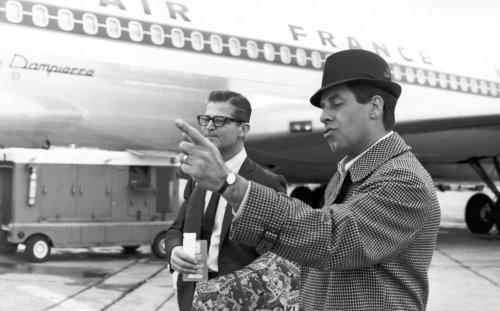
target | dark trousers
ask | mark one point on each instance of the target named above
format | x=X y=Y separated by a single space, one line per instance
x=185 y=291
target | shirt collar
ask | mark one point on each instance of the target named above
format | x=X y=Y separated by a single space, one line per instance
x=234 y=164
x=343 y=166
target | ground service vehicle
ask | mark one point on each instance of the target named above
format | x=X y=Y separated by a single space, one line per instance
x=78 y=197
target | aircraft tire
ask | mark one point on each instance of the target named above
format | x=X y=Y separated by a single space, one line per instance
x=318 y=196
x=130 y=249
x=477 y=213
x=158 y=247
x=302 y=193
x=37 y=248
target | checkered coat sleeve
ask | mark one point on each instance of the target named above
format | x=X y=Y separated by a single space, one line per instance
x=370 y=252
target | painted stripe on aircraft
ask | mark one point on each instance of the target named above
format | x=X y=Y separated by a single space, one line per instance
x=67 y=20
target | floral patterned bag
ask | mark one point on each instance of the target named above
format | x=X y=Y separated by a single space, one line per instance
x=269 y=283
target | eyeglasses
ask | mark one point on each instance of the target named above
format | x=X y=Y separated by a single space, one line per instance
x=218 y=121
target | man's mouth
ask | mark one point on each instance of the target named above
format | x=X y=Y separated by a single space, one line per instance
x=328 y=131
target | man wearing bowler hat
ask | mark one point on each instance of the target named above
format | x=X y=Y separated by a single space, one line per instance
x=370 y=246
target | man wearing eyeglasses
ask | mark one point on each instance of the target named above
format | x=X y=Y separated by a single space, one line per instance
x=225 y=123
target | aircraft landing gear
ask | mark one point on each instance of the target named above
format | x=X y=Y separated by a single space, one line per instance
x=478 y=213
x=313 y=198
x=481 y=212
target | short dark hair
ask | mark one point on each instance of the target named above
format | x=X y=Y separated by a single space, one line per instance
x=363 y=92
x=241 y=105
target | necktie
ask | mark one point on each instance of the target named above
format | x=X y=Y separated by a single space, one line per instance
x=197 y=202
x=346 y=183
x=209 y=217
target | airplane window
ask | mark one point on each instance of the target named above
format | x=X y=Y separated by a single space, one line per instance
x=113 y=27
x=157 y=34
x=464 y=86
x=90 y=24
x=483 y=86
x=493 y=89
x=197 y=41
x=453 y=82
x=40 y=15
x=420 y=76
x=396 y=73
x=252 y=50
x=177 y=38
x=14 y=11
x=443 y=80
x=409 y=74
x=301 y=57
x=135 y=31
x=431 y=78
x=474 y=86
x=216 y=44
x=269 y=51
x=285 y=55
x=234 y=46
x=316 y=59
x=65 y=19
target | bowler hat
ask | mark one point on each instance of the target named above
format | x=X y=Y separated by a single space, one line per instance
x=359 y=66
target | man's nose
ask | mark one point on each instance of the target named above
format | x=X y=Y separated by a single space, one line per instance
x=211 y=125
x=325 y=116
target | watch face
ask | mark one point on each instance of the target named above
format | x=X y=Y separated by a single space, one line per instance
x=231 y=178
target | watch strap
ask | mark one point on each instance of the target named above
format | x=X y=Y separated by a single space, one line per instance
x=223 y=187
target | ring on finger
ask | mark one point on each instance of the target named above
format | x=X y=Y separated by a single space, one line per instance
x=184 y=158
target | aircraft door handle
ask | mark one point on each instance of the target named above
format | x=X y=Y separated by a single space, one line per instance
x=80 y=190
x=73 y=189
x=108 y=190
x=44 y=189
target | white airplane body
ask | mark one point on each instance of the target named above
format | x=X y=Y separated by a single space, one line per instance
x=115 y=74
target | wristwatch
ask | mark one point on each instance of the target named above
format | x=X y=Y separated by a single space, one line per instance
x=230 y=179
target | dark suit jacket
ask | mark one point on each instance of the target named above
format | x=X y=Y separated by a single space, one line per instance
x=232 y=255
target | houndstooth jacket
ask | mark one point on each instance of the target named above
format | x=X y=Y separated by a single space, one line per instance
x=370 y=252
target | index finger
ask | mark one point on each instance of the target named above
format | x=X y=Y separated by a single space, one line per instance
x=196 y=137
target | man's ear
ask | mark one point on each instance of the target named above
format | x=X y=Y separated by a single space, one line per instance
x=377 y=107
x=244 y=129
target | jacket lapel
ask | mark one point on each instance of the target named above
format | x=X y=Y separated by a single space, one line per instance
x=332 y=189
x=246 y=170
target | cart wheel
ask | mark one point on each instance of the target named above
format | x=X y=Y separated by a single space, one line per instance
x=130 y=249
x=37 y=248
x=158 y=247
x=5 y=246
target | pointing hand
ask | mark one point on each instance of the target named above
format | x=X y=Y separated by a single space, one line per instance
x=201 y=159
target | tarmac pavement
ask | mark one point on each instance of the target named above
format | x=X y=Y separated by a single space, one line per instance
x=464 y=274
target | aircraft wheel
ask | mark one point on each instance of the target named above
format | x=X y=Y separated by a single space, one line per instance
x=477 y=213
x=130 y=249
x=302 y=193
x=318 y=196
x=37 y=248
x=158 y=247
